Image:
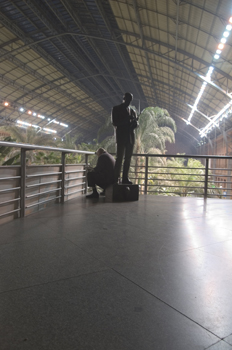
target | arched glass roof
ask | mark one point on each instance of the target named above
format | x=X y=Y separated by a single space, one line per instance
x=65 y=63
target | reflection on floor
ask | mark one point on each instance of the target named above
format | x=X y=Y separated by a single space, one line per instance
x=153 y=274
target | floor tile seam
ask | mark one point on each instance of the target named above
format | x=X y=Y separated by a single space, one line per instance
x=215 y=255
x=162 y=301
x=167 y=304
x=30 y=240
x=210 y=346
x=55 y=281
x=210 y=244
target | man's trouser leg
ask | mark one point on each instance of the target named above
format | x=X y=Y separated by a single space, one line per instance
x=91 y=179
x=119 y=158
x=128 y=155
x=95 y=178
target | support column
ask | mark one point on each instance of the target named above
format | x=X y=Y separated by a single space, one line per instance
x=146 y=175
x=86 y=165
x=23 y=182
x=62 y=176
x=206 y=177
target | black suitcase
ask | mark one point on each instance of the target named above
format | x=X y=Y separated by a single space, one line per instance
x=125 y=193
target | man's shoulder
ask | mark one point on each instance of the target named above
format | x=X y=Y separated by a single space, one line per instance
x=106 y=156
x=118 y=107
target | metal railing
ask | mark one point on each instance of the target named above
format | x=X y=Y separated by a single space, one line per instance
x=25 y=187
x=209 y=180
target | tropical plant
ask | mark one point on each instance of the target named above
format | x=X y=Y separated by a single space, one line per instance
x=28 y=136
x=179 y=179
x=156 y=127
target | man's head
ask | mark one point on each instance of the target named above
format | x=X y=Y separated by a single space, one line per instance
x=100 y=151
x=127 y=98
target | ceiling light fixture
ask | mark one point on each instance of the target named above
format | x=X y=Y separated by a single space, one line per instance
x=23 y=123
x=65 y=125
x=50 y=130
x=207 y=78
x=214 y=120
x=221 y=46
x=226 y=34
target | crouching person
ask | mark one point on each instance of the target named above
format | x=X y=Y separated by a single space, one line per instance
x=103 y=174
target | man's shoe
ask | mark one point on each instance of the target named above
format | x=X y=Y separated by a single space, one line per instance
x=126 y=181
x=93 y=195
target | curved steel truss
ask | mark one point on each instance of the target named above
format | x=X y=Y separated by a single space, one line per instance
x=70 y=61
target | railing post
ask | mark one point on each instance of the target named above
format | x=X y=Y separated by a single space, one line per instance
x=146 y=175
x=23 y=182
x=86 y=164
x=206 y=177
x=62 y=176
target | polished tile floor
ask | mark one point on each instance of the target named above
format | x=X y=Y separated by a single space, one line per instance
x=149 y=275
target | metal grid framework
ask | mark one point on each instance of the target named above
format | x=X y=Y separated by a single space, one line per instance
x=72 y=60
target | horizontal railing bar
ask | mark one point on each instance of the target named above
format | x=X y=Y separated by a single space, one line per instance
x=173 y=180
x=38 y=203
x=218 y=194
x=10 y=212
x=44 y=174
x=178 y=193
x=41 y=193
x=78 y=191
x=218 y=188
x=10 y=201
x=176 y=174
x=225 y=169
x=177 y=186
x=27 y=146
x=80 y=184
x=9 y=166
x=10 y=189
x=43 y=183
x=193 y=156
x=173 y=167
x=55 y=165
x=220 y=182
x=75 y=178
x=10 y=178
x=222 y=175
x=48 y=148
x=75 y=171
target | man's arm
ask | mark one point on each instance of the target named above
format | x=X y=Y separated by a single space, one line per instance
x=134 y=121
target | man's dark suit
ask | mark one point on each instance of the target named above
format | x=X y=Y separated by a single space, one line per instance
x=125 y=120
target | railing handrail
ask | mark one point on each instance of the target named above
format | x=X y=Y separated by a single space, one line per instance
x=27 y=146
x=180 y=156
x=65 y=150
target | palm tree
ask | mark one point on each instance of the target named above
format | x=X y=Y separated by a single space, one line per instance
x=156 y=127
x=29 y=136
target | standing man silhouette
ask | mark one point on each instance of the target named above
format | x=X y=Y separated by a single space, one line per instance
x=125 y=120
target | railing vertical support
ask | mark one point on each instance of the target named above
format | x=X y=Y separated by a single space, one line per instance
x=146 y=175
x=62 y=176
x=23 y=182
x=206 y=177
x=86 y=165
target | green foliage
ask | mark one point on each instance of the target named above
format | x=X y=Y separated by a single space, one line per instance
x=178 y=179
